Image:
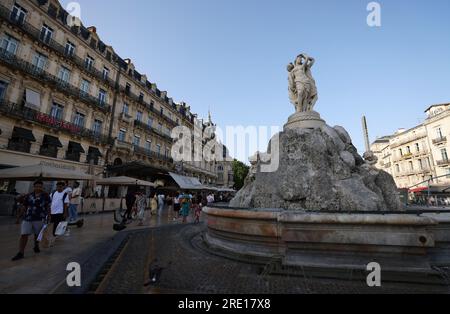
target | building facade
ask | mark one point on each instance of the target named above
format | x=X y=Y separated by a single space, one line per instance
x=420 y=155
x=67 y=99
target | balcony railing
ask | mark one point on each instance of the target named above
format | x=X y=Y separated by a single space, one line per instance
x=150 y=154
x=440 y=140
x=413 y=171
x=142 y=125
x=123 y=145
x=36 y=34
x=45 y=77
x=27 y=114
x=125 y=117
x=443 y=162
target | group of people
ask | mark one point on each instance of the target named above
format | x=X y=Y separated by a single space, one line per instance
x=179 y=205
x=39 y=208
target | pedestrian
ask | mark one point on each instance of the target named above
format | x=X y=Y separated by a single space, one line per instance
x=130 y=199
x=153 y=205
x=161 y=199
x=141 y=205
x=210 y=199
x=176 y=205
x=36 y=206
x=75 y=200
x=197 y=207
x=169 y=201
x=59 y=205
x=185 y=201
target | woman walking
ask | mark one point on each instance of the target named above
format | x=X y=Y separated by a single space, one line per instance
x=185 y=206
x=154 y=205
x=141 y=205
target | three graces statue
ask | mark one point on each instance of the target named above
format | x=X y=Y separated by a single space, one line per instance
x=302 y=86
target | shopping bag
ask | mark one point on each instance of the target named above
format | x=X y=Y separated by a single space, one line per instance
x=47 y=237
x=61 y=229
x=41 y=233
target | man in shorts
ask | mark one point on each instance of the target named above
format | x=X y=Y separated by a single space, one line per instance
x=36 y=207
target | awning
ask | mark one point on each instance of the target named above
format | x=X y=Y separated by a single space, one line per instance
x=52 y=141
x=94 y=151
x=123 y=181
x=76 y=147
x=33 y=99
x=187 y=183
x=23 y=133
x=417 y=190
x=44 y=172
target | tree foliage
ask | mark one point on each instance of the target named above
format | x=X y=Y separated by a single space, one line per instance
x=240 y=171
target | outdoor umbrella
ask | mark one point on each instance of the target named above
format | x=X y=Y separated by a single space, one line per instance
x=42 y=172
x=124 y=181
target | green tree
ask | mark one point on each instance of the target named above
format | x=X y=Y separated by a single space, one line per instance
x=240 y=171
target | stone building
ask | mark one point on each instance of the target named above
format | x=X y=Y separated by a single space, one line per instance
x=68 y=99
x=419 y=154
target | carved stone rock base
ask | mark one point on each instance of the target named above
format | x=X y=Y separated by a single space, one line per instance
x=304 y=120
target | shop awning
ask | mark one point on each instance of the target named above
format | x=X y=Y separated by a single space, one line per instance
x=94 y=151
x=52 y=141
x=123 y=181
x=76 y=147
x=44 y=172
x=24 y=134
x=187 y=183
x=419 y=189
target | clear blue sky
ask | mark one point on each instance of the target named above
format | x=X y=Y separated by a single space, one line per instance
x=231 y=56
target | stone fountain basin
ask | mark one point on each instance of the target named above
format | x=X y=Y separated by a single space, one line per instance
x=348 y=241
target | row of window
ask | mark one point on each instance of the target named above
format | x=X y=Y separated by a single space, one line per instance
x=40 y=61
x=423 y=164
x=46 y=35
x=19 y=14
x=140 y=118
x=33 y=99
x=122 y=137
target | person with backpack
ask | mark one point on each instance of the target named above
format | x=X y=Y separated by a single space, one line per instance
x=59 y=206
x=36 y=206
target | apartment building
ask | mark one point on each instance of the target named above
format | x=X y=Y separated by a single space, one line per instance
x=67 y=99
x=418 y=156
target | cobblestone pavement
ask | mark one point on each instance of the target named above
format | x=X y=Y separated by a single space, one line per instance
x=41 y=273
x=180 y=267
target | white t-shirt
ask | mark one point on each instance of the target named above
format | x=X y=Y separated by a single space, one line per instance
x=57 y=206
x=73 y=199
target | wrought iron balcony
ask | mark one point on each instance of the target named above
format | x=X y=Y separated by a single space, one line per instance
x=123 y=145
x=36 y=34
x=28 y=114
x=440 y=140
x=443 y=162
x=45 y=77
x=146 y=127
